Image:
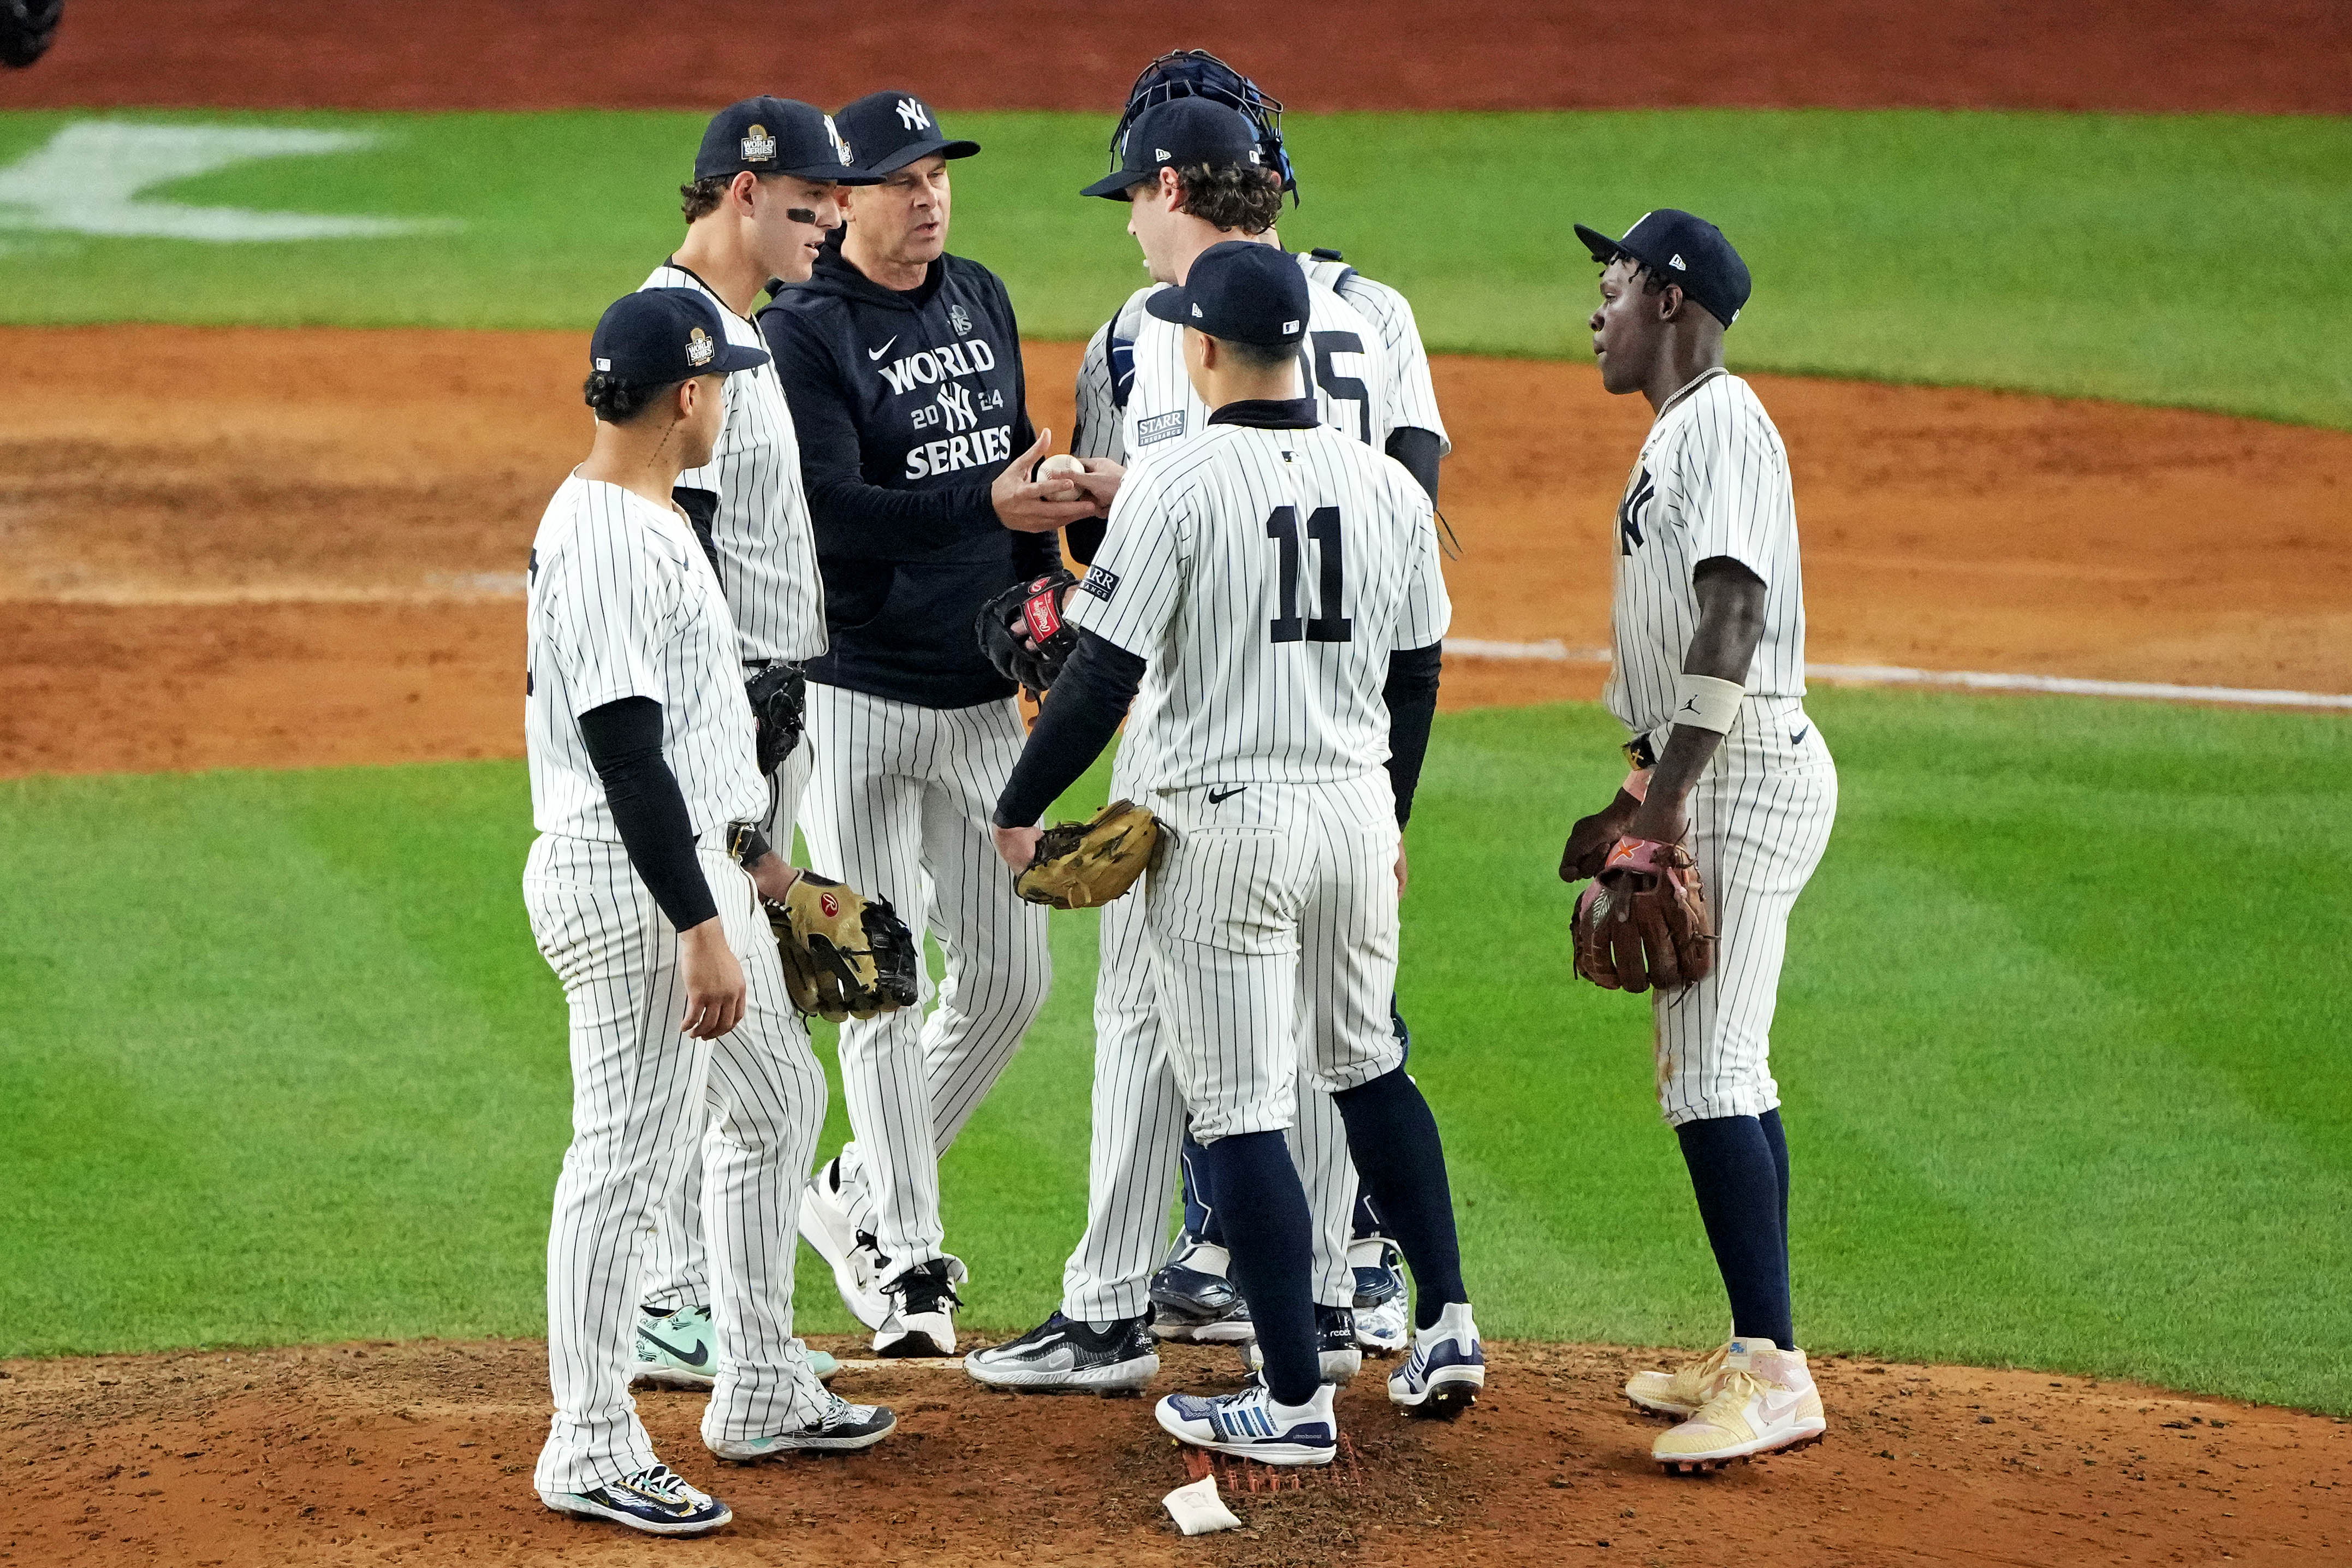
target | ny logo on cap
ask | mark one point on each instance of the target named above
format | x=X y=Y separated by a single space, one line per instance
x=758 y=145
x=699 y=346
x=833 y=136
x=911 y=115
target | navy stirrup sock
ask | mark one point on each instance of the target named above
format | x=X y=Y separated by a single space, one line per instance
x=1741 y=1190
x=1269 y=1235
x=1393 y=1139
x=1777 y=1141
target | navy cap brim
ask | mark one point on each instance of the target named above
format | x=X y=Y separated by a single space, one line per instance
x=1604 y=250
x=1118 y=182
x=919 y=150
x=1170 y=304
x=732 y=357
x=836 y=173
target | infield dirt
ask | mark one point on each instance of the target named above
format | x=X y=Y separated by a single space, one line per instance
x=422 y=1454
x=230 y=547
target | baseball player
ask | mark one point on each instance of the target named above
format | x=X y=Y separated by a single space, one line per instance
x=763 y=197
x=1709 y=680
x=640 y=744
x=902 y=365
x=1190 y=1296
x=1271 y=586
x=1194 y=175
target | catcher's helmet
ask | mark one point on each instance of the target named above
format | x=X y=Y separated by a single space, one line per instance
x=25 y=29
x=1197 y=73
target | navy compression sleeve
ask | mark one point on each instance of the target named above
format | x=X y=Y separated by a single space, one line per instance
x=1079 y=717
x=624 y=741
x=1411 y=695
x=1419 y=450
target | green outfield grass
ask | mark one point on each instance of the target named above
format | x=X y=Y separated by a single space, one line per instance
x=2204 y=261
x=2063 y=1040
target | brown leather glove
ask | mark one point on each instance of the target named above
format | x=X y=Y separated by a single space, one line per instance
x=1081 y=864
x=1644 y=922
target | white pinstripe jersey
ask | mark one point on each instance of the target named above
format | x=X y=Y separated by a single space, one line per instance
x=1265 y=576
x=1712 y=480
x=767 y=548
x=623 y=603
x=1356 y=390
x=1391 y=314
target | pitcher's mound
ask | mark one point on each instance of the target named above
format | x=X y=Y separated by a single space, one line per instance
x=422 y=1454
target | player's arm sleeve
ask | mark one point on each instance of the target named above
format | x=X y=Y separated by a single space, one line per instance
x=1731 y=483
x=1410 y=691
x=1098 y=432
x=1133 y=588
x=1419 y=451
x=1077 y=720
x=853 y=518
x=625 y=743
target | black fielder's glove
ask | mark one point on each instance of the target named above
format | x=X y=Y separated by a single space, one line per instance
x=779 y=697
x=1033 y=608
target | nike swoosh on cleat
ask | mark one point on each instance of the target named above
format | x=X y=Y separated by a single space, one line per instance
x=700 y=1358
x=875 y=354
x=1775 y=1411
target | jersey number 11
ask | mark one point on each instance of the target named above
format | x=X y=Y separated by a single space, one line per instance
x=1323 y=528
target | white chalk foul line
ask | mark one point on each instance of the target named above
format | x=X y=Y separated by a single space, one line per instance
x=1554 y=651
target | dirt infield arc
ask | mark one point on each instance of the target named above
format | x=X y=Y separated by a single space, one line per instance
x=2203 y=55
x=237 y=548
x=421 y=1454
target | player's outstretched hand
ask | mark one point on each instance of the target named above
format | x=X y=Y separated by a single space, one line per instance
x=714 y=982
x=1018 y=846
x=1588 y=841
x=1020 y=500
x=1100 y=481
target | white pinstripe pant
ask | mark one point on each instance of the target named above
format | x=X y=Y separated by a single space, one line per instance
x=898 y=806
x=642 y=1094
x=1761 y=819
x=1138 y=1101
x=678 y=1266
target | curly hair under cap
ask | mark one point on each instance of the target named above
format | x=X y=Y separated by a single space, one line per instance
x=1232 y=196
x=618 y=402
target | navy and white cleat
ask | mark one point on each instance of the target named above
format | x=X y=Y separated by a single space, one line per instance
x=1063 y=1356
x=656 y=1501
x=1447 y=1366
x=1340 y=1357
x=1193 y=1303
x=1246 y=1425
x=840 y=1427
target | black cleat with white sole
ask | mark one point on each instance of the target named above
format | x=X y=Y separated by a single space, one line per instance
x=1063 y=1356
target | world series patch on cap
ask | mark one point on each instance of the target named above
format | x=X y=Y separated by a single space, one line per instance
x=777 y=136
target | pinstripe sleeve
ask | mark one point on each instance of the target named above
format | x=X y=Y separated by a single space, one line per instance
x=1098 y=429
x=1730 y=481
x=617 y=604
x=1130 y=594
x=1427 y=611
x=1413 y=405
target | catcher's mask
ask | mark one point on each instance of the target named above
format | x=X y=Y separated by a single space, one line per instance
x=1197 y=73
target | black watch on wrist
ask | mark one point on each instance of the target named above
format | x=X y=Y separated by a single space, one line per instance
x=746 y=845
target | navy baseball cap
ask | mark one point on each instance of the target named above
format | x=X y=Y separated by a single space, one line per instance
x=1683 y=249
x=1180 y=131
x=657 y=336
x=777 y=136
x=1241 y=291
x=890 y=130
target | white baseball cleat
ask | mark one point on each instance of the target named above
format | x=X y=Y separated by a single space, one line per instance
x=1681 y=1391
x=656 y=1501
x=1248 y=1426
x=1763 y=1402
x=840 y=1427
x=923 y=1303
x=856 y=1262
x=1447 y=1366
x=1382 y=1324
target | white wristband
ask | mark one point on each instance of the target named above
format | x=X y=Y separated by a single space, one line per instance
x=1703 y=702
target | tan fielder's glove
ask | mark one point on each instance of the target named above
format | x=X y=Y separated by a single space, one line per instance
x=1081 y=864
x=1643 y=921
x=845 y=956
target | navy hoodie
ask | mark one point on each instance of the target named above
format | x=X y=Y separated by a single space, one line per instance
x=908 y=405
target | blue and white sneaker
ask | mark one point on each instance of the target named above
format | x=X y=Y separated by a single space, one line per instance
x=1447 y=1366
x=840 y=1427
x=656 y=1501
x=1383 y=1325
x=1248 y=1426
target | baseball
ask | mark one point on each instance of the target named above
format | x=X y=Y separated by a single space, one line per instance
x=1054 y=468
